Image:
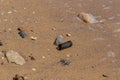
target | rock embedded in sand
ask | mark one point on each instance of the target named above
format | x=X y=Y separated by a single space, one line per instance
x=15 y=57
x=58 y=40
x=88 y=18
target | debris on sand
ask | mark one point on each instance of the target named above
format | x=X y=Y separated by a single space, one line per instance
x=68 y=35
x=65 y=45
x=15 y=57
x=17 y=77
x=88 y=18
x=58 y=40
x=65 y=62
x=33 y=38
x=104 y=75
x=31 y=57
x=22 y=34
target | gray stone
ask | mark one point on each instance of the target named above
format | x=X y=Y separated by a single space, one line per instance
x=15 y=57
x=58 y=40
x=88 y=18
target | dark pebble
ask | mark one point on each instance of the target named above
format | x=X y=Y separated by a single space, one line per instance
x=22 y=34
x=1 y=44
x=65 y=45
x=32 y=58
x=104 y=75
x=17 y=77
x=65 y=62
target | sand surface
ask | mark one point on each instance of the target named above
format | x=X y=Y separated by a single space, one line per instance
x=95 y=54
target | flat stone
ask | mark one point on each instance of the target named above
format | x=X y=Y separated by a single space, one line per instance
x=15 y=57
x=88 y=18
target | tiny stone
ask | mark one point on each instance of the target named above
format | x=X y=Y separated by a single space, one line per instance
x=88 y=18
x=33 y=69
x=3 y=57
x=1 y=44
x=32 y=58
x=43 y=57
x=33 y=38
x=9 y=12
x=68 y=35
x=54 y=29
x=17 y=77
x=58 y=40
x=104 y=75
x=64 y=62
x=22 y=34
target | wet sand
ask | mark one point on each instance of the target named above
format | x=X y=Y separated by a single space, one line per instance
x=95 y=53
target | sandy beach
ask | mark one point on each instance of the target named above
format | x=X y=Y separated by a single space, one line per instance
x=94 y=55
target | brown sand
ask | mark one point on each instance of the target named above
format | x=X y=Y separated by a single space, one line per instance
x=96 y=49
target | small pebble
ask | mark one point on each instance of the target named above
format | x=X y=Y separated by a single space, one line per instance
x=1 y=44
x=68 y=35
x=65 y=62
x=53 y=29
x=33 y=69
x=43 y=57
x=31 y=57
x=33 y=38
x=88 y=18
x=104 y=75
x=58 y=40
x=3 y=57
x=9 y=12
x=22 y=34
x=17 y=77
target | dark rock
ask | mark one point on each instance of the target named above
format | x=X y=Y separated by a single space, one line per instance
x=1 y=44
x=17 y=77
x=65 y=62
x=104 y=75
x=22 y=34
x=32 y=58
x=64 y=45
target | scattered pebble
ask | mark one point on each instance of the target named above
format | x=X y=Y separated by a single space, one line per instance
x=88 y=18
x=15 y=57
x=53 y=29
x=64 y=45
x=65 y=62
x=3 y=57
x=1 y=44
x=22 y=34
x=68 y=35
x=31 y=57
x=58 y=40
x=43 y=57
x=9 y=12
x=104 y=75
x=33 y=38
x=17 y=77
x=33 y=69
